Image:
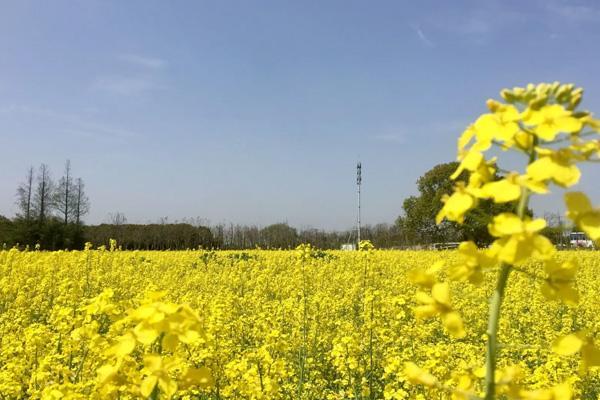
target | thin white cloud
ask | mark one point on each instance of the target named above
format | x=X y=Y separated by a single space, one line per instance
x=126 y=85
x=391 y=138
x=404 y=134
x=475 y=28
x=100 y=131
x=478 y=24
x=422 y=37
x=454 y=126
x=154 y=63
x=575 y=13
x=71 y=124
x=142 y=74
x=475 y=25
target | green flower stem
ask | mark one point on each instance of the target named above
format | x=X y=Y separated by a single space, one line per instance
x=496 y=303
x=492 y=332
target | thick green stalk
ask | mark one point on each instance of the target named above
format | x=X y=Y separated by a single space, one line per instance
x=498 y=297
x=495 y=306
x=492 y=332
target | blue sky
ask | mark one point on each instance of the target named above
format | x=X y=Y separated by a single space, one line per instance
x=255 y=112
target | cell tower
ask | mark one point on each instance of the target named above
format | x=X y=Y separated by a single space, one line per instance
x=358 y=182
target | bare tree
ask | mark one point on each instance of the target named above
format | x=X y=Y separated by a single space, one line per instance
x=25 y=196
x=81 y=202
x=42 y=198
x=64 y=197
x=117 y=218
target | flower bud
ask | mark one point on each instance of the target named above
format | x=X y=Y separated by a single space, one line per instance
x=538 y=102
x=508 y=96
x=493 y=105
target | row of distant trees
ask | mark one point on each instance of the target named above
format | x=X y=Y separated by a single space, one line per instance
x=192 y=234
x=282 y=235
x=51 y=214
x=157 y=236
x=40 y=198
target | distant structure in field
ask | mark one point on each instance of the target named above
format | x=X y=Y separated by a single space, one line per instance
x=358 y=182
x=349 y=245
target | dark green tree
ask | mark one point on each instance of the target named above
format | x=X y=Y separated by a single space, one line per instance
x=6 y=232
x=279 y=236
x=417 y=224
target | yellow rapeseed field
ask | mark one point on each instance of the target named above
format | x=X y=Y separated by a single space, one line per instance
x=516 y=320
x=263 y=324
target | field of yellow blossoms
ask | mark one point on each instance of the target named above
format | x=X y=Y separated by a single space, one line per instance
x=303 y=324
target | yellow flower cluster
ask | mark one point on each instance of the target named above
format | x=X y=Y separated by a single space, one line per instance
x=533 y=122
x=542 y=123
x=284 y=324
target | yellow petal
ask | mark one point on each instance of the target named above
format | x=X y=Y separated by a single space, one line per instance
x=189 y=336
x=426 y=311
x=143 y=312
x=454 y=324
x=466 y=137
x=169 y=342
x=502 y=191
x=145 y=333
x=124 y=346
x=506 y=224
x=568 y=294
x=562 y=392
x=590 y=224
x=535 y=186
x=546 y=132
x=423 y=298
x=542 y=247
x=514 y=249
x=441 y=293
x=559 y=392
x=417 y=375
x=421 y=278
x=456 y=206
x=106 y=373
x=471 y=162
x=167 y=386
x=570 y=124
x=147 y=386
x=153 y=362
x=567 y=345
x=535 y=225
x=201 y=377
x=548 y=167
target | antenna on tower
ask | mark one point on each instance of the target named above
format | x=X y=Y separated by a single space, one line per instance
x=358 y=183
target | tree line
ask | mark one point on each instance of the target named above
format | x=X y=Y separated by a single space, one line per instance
x=191 y=235
x=50 y=215
x=284 y=236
